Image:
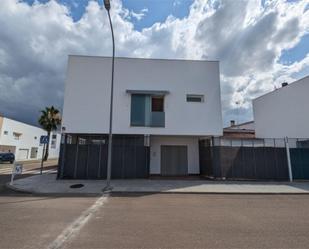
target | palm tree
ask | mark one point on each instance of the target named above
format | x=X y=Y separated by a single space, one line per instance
x=49 y=120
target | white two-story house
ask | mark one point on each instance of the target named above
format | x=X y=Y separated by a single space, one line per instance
x=161 y=110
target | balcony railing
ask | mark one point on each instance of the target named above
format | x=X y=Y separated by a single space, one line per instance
x=157 y=119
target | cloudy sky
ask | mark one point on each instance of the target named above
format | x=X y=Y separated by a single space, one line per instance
x=260 y=43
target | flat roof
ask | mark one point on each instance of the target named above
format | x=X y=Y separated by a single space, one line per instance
x=140 y=58
x=229 y=130
x=284 y=87
x=151 y=92
x=248 y=122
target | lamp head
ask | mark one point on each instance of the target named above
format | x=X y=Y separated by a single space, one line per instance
x=107 y=4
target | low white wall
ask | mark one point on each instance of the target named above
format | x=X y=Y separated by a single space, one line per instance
x=190 y=142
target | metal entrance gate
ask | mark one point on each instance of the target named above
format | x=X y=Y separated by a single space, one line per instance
x=174 y=160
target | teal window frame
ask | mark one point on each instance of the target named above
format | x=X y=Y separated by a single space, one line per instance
x=141 y=112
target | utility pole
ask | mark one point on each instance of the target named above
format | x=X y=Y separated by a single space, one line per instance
x=110 y=135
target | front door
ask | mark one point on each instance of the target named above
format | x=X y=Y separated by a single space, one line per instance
x=174 y=160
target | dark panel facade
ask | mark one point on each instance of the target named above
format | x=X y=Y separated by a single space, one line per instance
x=300 y=163
x=247 y=163
x=205 y=158
x=85 y=157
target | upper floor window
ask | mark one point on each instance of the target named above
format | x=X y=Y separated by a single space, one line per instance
x=5 y=132
x=195 y=98
x=16 y=135
x=157 y=103
x=147 y=110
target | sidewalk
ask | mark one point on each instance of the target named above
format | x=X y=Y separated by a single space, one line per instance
x=47 y=184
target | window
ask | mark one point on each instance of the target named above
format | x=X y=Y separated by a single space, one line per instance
x=5 y=132
x=71 y=139
x=195 y=98
x=147 y=110
x=157 y=104
x=139 y=104
x=82 y=141
x=16 y=135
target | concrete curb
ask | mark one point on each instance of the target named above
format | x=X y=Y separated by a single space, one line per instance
x=48 y=185
x=11 y=187
x=65 y=194
x=55 y=194
x=207 y=193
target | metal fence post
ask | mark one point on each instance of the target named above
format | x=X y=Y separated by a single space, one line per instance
x=64 y=145
x=288 y=158
x=76 y=158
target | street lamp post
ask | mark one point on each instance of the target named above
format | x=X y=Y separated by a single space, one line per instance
x=110 y=135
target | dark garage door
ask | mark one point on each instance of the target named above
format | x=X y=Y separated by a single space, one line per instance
x=174 y=160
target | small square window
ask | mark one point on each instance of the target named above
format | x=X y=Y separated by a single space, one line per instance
x=16 y=135
x=5 y=132
x=157 y=104
x=195 y=98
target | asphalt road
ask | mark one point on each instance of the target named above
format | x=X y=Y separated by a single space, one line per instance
x=154 y=221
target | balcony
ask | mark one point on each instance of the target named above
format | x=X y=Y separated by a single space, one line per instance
x=157 y=119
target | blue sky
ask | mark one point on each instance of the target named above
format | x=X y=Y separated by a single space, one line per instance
x=296 y=53
x=159 y=10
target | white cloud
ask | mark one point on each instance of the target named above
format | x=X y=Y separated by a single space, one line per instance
x=139 y=16
x=176 y=3
x=245 y=36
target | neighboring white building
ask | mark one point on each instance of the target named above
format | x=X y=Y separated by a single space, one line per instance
x=283 y=112
x=24 y=140
x=171 y=102
x=242 y=131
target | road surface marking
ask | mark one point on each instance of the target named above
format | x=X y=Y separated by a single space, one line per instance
x=73 y=229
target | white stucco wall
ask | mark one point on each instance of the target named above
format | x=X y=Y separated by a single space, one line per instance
x=87 y=95
x=30 y=137
x=283 y=112
x=192 y=147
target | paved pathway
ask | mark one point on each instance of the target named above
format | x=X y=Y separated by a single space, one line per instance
x=30 y=168
x=47 y=184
